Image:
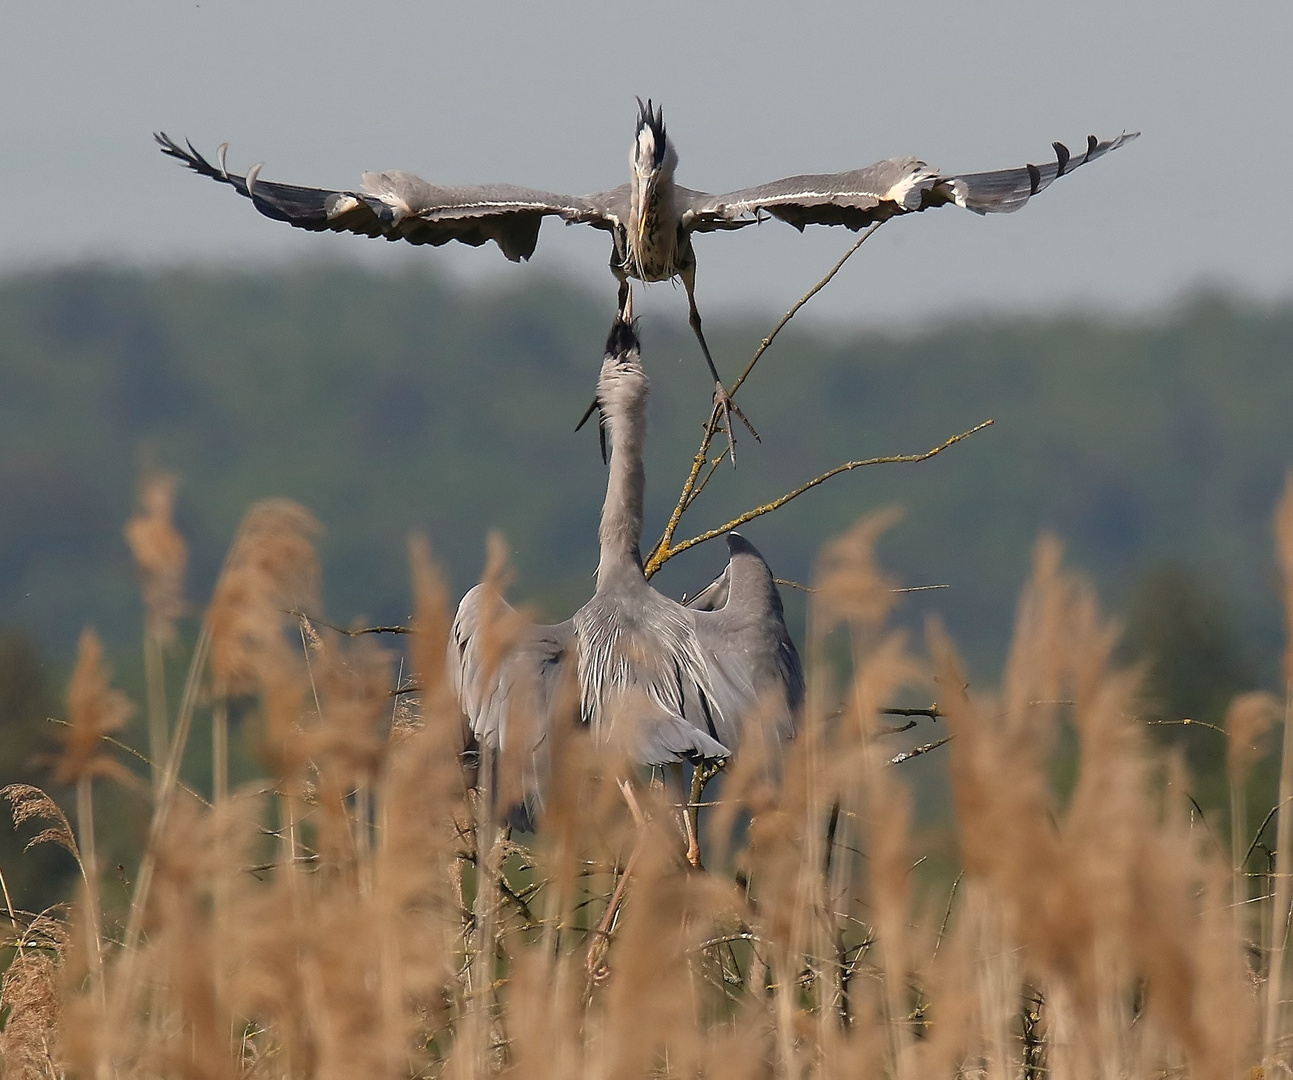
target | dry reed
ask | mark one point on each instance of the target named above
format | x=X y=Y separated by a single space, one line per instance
x=368 y=912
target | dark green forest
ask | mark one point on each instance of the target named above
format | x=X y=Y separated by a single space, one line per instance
x=1153 y=446
x=388 y=403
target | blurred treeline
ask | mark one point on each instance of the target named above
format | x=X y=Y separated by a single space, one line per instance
x=1154 y=447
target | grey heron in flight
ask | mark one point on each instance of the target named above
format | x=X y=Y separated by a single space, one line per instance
x=667 y=682
x=651 y=219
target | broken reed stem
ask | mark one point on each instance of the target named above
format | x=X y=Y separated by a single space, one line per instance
x=155 y=692
x=665 y=549
x=90 y=866
x=219 y=745
x=1280 y=910
x=1238 y=830
x=123 y=986
x=482 y=965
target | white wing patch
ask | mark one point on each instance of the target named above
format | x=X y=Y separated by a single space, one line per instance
x=916 y=181
x=340 y=204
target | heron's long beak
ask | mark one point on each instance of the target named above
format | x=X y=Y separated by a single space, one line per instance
x=644 y=205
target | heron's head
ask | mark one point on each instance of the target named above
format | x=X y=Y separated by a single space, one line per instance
x=652 y=156
x=622 y=385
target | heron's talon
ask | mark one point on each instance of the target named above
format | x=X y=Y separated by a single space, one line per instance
x=721 y=419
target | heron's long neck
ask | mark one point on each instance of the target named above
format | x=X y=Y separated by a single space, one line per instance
x=621 y=528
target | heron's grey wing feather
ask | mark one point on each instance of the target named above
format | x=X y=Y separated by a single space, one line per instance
x=610 y=208
x=898 y=186
x=644 y=684
x=713 y=595
x=401 y=206
x=854 y=199
x=526 y=672
x=1006 y=190
x=758 y=676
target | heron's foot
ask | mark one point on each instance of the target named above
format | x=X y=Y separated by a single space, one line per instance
x=721 y=419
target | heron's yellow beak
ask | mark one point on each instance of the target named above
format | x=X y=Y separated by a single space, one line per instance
x=644 y=206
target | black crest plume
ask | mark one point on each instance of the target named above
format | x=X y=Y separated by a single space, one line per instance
x=653 y=119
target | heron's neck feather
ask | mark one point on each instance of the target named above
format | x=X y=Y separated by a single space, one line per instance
x=621 y=527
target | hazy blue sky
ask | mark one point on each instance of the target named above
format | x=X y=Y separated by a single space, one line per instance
x=542 y=94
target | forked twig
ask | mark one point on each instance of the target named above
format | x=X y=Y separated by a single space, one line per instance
x=665 y=549
x=689 y=489
x=794 y=310
x=898 y=759
x=298 y=614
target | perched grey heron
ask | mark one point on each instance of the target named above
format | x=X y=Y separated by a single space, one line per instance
x=668 y=682
x=651 y=219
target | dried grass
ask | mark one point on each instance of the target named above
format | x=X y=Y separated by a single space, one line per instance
x=366 y=913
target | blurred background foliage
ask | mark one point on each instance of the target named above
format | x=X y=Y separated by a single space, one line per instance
x=389 y=402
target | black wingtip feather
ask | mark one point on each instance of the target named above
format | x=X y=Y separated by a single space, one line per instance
x=1062 y=157
x=1034 y=179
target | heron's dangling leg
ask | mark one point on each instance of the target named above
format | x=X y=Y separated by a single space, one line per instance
x=724 y=406
x=704 y=772
x=691 y=816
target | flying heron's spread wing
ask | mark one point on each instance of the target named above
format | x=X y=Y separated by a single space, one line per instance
x=862 y=197
x=508 y=675
x=400 y=206
x=741 y=626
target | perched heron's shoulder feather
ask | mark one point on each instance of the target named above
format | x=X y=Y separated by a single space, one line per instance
x=756 y=670
x=644 y=683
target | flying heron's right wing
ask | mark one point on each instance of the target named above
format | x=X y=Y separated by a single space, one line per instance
x=886 y=189
x=509 y=674
x=400 y=206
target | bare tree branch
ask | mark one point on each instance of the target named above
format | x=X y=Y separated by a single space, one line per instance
x=665 y=549
x=767 y=341
x=898 y=759
x=349 y=633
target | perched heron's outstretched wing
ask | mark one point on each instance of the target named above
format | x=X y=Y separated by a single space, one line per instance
x=755 y=668
x=400 y=206
x=508 y=675
x=899 y=186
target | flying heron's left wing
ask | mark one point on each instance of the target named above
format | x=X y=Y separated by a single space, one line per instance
x=899 y=186
x=400 y=206
x=755 y=668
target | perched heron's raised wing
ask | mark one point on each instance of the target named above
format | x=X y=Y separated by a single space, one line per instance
x=862 y=197
x=400 y=206
x=508 y=675
x=756 y=672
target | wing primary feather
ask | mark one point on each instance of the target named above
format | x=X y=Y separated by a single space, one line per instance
x=1062 y=156
x=221 y=151
x=250 y=179
x=1034 y=179
x=1091 y=143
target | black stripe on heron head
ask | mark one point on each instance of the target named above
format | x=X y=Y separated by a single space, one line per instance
x=1034 y=179
x=653 y=119
x=1062 y=156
